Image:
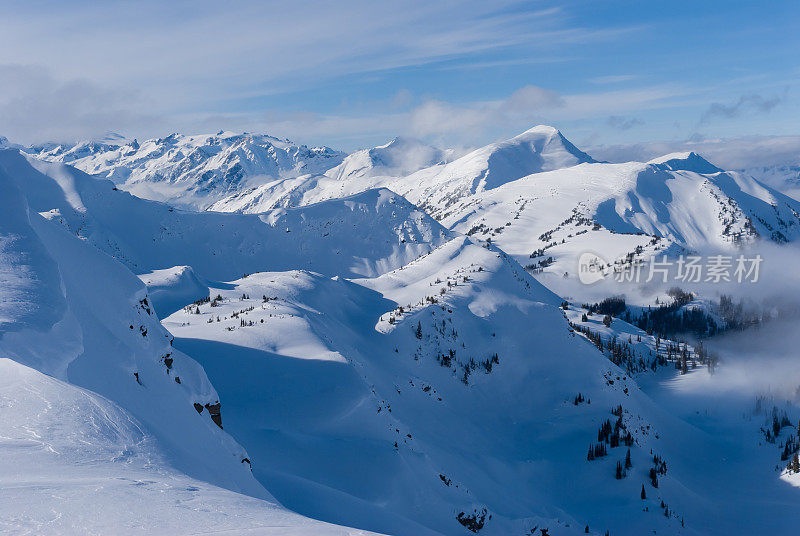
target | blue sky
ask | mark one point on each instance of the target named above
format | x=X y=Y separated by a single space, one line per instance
x=354 y=73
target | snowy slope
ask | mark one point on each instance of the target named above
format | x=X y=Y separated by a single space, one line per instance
x=542 y=148
x=783 y=177
x=72 y=312
x=544 y=201
x=364 y=235
x=76 y=463
x=172 y=288
x=677 y=203
x=192 y=171
x=455 y=411
x=362 y=170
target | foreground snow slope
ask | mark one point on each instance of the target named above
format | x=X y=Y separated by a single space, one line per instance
x=453 y=413
x=192 y=171
x=75 y=313
x=76 y=463
x=119 y=408
x=364 y=235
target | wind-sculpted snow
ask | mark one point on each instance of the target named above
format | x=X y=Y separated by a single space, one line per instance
x=192 y=171
x=74 y=462
x=363 y=235
x=97 y=329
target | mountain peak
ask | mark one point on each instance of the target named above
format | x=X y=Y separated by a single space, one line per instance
x=401 y=156
x=685 y=161
x=546 y=130
x=541 y=148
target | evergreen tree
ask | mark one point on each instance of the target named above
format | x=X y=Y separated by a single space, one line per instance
x=419 y=330
x=644 y=493
x=653 y=478
x=628 y=463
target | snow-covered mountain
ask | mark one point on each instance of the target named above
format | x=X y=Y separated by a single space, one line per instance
x=543 y=200
x=546 y=202
x=539 y=149
x=398 y=158
x=191 y=171
x=375 y=367
x=675 y=203
x=433 y=188
x=452 y=396
x=367 y=234
x=105 y=426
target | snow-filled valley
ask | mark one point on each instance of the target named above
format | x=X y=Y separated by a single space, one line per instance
x=237 y=334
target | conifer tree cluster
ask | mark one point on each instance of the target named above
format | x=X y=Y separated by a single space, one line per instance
x=610 y=436
x=659 y=468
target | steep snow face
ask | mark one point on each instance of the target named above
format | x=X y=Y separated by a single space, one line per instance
x=541 y=148
x=433 y=188
x=192 y=171
x=76 y=463
x=548 y=219
x=363 y=235
x=75 y=313
x=399 y=157
x=435 y=398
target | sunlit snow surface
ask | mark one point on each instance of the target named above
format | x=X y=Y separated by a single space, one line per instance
x=74 y=462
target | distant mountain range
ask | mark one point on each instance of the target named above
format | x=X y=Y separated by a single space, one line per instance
x=535 y=195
